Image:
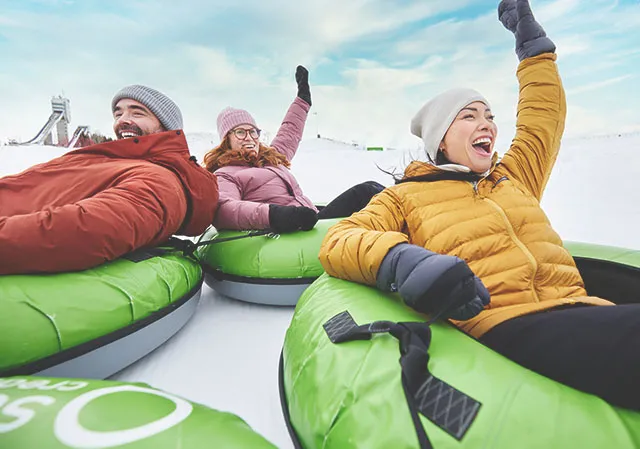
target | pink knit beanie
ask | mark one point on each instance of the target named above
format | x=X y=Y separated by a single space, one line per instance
x=229 y=118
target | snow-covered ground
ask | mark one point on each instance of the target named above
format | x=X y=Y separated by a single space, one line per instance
x=227 y=356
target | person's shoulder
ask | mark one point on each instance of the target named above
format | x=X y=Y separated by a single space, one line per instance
x=142 y=168
x=229 y=169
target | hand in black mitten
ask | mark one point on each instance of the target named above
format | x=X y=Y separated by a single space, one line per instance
x=284 y=219
x=302 y=78
x=465 y=293
x=531 y=40
x=432 y=283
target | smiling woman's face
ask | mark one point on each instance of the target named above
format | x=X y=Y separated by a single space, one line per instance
x=245 y=138
x=470 y=139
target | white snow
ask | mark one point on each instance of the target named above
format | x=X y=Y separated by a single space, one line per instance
x=226 y=357
x=14 y=159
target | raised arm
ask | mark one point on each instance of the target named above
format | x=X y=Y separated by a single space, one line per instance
x=290 y=132
x=541 y=105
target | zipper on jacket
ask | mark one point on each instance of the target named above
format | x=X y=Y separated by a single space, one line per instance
x=519 y=244
x=512 y=233
x=504 y=178
x=477 y=182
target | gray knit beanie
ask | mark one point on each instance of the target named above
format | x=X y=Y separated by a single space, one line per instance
x=162 y=107
x=434 y=118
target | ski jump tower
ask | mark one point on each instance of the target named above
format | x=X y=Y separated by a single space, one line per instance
x=61 y=105
x=60 y=118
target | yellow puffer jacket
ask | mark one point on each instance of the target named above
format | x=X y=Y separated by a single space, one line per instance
x=495 y=224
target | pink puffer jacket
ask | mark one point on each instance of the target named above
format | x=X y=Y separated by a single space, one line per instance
x=246 y=192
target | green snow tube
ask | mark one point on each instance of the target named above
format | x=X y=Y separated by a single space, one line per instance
x=342 y=387
x=96 y=322
x=58 y=413
x=263 y=269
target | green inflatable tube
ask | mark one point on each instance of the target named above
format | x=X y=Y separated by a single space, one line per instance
x=95 y=322
x=61 y=413
x=355 y=393
x=263 y=269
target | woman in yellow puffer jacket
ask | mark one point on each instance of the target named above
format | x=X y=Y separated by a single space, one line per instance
x=464 y=236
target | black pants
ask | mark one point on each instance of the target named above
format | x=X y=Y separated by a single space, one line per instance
x=595 y=349
x=351 y=200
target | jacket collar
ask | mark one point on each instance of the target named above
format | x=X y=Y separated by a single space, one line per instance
x=427 y=171
x=149 y=147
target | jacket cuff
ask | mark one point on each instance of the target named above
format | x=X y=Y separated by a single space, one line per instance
x=263 y=215
x=303 y=104
x=411 y=255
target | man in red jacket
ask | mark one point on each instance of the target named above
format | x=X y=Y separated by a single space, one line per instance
x=97 y=203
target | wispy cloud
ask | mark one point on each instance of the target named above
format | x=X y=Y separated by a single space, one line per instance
x=598 y=85
x=7 y=22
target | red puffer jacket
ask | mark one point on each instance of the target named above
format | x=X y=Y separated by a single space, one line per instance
x=98 y=203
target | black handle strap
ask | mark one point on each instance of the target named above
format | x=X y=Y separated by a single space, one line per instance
x=445 y=406
x=187 y=247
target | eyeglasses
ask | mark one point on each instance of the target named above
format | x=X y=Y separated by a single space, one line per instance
x=241 y=133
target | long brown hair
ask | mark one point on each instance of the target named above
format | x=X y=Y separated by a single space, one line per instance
x=223 y=155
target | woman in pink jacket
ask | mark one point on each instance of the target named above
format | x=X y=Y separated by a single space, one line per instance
x=257 y=189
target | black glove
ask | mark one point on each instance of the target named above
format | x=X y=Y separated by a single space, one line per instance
x=291 y=218
x=531 y=40
x=302 y=78
x=433 y=283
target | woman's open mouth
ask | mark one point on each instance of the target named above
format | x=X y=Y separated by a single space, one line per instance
x=482 y=145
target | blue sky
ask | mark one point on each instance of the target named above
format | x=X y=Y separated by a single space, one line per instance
x=372 y=63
